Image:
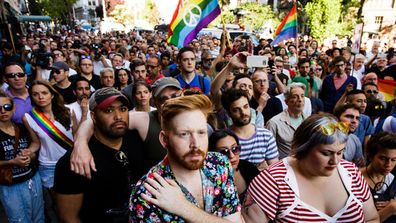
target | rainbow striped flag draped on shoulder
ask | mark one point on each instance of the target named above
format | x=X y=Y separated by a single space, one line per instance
x=288 y=27
x=189 y=18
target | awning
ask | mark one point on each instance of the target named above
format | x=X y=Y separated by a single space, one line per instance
x=33 y=18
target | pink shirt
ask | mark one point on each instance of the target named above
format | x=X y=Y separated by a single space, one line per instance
x=339 y=81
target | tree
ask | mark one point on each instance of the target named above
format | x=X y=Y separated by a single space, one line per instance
x=59 y=10
x=122 y=14
x=256 y=17
x=323 y=18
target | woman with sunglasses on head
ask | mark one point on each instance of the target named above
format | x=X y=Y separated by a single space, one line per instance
x=141 y=94
x=122 y=78
x=381 y=154
x=313 y=184
x=227 y=143
x=22 y=198
x=50 y=121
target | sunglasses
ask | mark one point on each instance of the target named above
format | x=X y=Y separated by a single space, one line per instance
x=372 y=92
x=14 y=75
x=339 y=65
x=86 y=57
x=318 y=69
x=56 y=71
x=122 y=158
x=330 y=128
x=7 y=107
x=226 y=151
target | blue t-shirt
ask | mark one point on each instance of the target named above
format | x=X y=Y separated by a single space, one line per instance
x=195 y=84
x=364 y=128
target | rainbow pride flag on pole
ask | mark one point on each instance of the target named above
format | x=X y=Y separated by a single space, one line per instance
x=189 y=18
x=288 y=27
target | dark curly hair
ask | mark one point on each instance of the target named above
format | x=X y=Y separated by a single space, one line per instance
x=60 y=111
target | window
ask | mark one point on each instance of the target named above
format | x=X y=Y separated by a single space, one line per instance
x=378 y=19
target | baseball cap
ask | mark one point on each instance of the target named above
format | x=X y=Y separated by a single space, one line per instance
x=103 y=98
x=60 y=65
x=163 y=83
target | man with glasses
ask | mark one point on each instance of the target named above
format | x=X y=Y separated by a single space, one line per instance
x=60 y=72
x=371 y=91
x=188 y=79
x=15 y=77
x=86 y=67
x=335 y=84
x=119 y=161
x=153 y=70
x=261 y=101
x=148 y=125
x=58 y=55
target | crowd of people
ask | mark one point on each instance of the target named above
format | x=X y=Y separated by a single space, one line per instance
x=123 y=127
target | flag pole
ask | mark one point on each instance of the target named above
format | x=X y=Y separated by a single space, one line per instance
x=295 y=4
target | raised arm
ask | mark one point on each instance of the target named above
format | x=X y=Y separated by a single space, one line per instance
x=219 y=80
x=81 y=160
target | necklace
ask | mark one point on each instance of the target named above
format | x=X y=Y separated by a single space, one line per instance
x=377 y=185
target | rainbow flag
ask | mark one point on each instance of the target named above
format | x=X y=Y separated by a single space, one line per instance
x=288 y=27
x=189 y=18
x=387 y=88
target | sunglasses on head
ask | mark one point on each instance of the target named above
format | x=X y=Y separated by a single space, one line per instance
x=330 y=128
x=13 y=75
x=226 y=151
x=7 y=107
x=86 y=57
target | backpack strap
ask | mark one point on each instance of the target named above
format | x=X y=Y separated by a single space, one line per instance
x=202 y=83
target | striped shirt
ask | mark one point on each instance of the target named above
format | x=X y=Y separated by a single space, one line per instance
x=259 y=147
x=274 y=191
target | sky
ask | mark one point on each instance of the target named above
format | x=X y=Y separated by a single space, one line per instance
x=166 y=8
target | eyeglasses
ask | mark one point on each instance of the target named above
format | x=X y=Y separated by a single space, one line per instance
x=14 y=75
x=260 y=81
x=339 y=65
x=318 y=69
x=86 y=57
x=151 y=66
x=226 y=151
x=330 y=128
x=372 y=92
x=7 y=107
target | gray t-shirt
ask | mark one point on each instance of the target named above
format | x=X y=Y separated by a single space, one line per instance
x=353 y=149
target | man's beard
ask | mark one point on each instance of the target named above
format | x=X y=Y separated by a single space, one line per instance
x=242 y=121
x=111 y=132
x=190 y=165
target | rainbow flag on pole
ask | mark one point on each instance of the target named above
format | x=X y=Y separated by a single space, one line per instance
x=288 y=27
x=189 y=18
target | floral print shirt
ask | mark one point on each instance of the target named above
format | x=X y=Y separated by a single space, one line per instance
x=220 y=195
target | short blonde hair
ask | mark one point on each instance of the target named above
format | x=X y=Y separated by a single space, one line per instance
x=176 y=106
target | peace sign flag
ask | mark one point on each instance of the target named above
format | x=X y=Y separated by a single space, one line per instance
x=189 y=18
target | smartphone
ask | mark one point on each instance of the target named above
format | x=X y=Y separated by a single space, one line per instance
x=257 y=61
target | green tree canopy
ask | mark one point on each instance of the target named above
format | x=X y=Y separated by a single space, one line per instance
x=59 y=10
x=323 y=17
x=256 y=17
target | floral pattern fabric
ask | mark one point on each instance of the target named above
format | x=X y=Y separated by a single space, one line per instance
x=219 y=191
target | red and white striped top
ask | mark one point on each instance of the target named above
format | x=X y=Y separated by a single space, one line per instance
x=274 y=191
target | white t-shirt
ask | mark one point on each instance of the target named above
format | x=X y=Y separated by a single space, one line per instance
x=307 y=104
x=98 y=66
x=50 y=151
x=75 y=107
